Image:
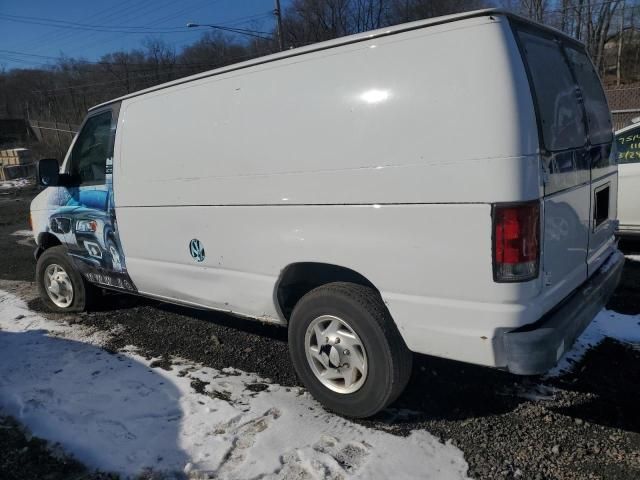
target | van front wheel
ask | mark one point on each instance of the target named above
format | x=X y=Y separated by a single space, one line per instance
x=347 y=350
x=61 y=287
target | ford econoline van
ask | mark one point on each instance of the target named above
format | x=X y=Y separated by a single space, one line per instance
x=442 y=187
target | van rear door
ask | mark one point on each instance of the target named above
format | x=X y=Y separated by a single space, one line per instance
x=573 y=122
x=603 y=168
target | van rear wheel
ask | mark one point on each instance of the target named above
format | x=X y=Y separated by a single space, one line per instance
x=347 y=350
x=61 y=287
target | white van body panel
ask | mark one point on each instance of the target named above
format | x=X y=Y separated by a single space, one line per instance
x=338 y=182
x=385 y=156
x=566 y=238
x=341 y=130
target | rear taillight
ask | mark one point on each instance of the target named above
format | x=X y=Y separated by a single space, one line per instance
x=516 y=241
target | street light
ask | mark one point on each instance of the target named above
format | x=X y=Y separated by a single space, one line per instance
x=241 y=31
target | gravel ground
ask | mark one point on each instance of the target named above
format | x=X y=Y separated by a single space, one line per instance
x=584 y=424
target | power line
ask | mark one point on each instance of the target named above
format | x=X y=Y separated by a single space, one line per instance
x=242 y=31
x=50 y=22
x=9 y=58
x=65 y=23
x=58 y=35
x=15 y=53
x=174 y=14
x=245 y=19
x=149 y=26
x=105 y=29
x=29 y=54
x=65 y=33
x=130 y=17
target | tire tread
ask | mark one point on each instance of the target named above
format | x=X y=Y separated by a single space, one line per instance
x=371 y=302
x=84 y=292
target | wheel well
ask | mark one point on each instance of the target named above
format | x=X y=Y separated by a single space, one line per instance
x=47 y=240
x=298 y=279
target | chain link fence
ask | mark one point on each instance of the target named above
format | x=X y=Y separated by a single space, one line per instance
x=624 y=102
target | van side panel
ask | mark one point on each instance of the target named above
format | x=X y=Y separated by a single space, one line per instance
x=248 y=246
x=381 y=156
x=406 y=251
x=432 y=115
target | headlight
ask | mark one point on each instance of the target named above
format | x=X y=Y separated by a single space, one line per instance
x=86 y=226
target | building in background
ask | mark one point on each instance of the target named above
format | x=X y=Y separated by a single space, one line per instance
x=16 y=163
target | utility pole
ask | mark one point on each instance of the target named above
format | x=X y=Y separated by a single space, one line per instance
x=278 y=15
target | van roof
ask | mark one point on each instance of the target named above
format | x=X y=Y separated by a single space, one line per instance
x=358 y=37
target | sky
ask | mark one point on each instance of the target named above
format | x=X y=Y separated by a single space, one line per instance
x=28 y=39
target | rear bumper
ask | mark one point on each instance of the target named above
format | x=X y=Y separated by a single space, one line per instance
x=534 y=349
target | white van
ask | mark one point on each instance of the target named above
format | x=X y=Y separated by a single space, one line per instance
x=627 y=151
x=442 y=187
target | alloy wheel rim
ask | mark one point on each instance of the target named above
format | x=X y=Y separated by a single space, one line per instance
x=58 y=285
x=336 y=354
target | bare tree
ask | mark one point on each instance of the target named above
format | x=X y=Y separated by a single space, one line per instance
x=600 y=30
x=161 y=58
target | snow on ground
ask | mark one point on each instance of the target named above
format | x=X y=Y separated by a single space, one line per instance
x=17 y=183
x=115 y=413
x=620 y=327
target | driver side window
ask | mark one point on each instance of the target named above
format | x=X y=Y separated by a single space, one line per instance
x=88 y=162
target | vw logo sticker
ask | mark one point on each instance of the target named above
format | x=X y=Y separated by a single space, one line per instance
x=197 y=250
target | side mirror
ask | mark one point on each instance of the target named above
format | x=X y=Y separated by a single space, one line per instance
x=48 y=172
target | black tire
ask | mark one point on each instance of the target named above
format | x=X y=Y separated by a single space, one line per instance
x=84 y=294
x=389 y=359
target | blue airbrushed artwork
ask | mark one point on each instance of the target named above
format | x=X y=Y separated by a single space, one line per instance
x=84 y=219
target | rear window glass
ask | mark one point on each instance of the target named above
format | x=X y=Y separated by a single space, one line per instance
x=561 y=116
x=627 y=146
x=595 y=102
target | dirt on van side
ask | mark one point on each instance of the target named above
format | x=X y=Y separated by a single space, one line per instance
x=582 y=425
